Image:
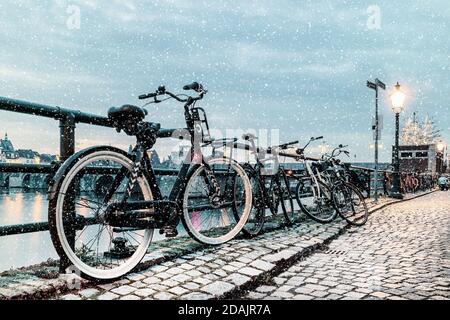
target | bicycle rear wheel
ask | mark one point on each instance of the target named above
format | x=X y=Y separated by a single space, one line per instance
x=315 y=200
x=77 y=222
x=350 y=203
x=217 y=218
x=287 y=204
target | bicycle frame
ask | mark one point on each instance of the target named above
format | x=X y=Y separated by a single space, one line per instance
x=314 y=176
x=262 y=178
x=170 y=209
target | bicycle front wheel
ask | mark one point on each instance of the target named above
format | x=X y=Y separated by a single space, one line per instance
x=213 y=216
x=315 y=200
x=350 y=203
x=256 y=217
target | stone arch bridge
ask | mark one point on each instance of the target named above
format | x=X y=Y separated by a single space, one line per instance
x=40 y=181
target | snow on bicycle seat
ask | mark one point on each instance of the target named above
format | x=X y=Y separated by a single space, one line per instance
x=127 y=113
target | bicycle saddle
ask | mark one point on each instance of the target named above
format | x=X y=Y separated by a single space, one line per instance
x=126 y=118
x=127 y=113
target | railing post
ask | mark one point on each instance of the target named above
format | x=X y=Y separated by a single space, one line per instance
x=66 y=149
x=67 y=136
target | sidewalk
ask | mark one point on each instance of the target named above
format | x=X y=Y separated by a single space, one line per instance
x=402 y=254
x=183 y=269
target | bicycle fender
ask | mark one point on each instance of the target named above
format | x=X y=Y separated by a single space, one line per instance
x=70 y=162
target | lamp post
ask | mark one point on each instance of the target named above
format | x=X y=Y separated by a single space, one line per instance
x=397 y=100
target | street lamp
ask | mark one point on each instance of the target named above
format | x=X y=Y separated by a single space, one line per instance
x=397 y=100
x=440 y=146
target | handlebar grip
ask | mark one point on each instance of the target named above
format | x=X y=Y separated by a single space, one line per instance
x=193 y=86
x=197 y=87
x=146 y=96
x=318 y=138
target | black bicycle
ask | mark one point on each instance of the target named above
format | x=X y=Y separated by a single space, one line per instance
x=271 y=186
x=106 y=232
x=347 y=197
x=324 y=191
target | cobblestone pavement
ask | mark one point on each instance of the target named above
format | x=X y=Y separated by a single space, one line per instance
x=217 y=272
x=183 y=269
x=402 y=253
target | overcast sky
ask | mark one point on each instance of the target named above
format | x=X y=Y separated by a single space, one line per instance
x=297 y=66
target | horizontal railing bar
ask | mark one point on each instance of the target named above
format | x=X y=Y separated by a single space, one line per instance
x=58 y=113
x=370 y=169
x=53 y=112
x=23 y=228
x=48 y=169
x=25 y=168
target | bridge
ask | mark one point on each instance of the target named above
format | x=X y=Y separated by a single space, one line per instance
x=177 y=268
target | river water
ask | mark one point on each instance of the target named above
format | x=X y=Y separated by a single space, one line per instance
x=25 y=249
x=19 y=207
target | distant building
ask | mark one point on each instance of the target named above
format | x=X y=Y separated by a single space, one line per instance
x=47 y=158
x=422 y=158
x=447 y=165
x=8 y=154
x=28 y=156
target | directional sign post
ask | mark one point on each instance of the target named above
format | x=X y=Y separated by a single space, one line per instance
x=376 y=128
x=377 y=133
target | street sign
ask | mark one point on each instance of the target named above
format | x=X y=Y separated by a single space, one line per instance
x=371 y=85
x=380 y=84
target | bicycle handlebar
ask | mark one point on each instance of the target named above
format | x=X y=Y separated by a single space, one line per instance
x=162 y=91
x=285 y=145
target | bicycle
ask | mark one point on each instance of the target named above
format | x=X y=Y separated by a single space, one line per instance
x=269 y=190
x=348 y=199
x=322 y=196
x=313 y=193
x=106 y=235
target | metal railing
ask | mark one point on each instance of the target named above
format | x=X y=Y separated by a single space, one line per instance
x=68 y=119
